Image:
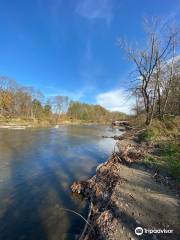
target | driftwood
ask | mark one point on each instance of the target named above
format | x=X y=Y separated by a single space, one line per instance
x=129 y=127
x=113 y=137
x=122 y=129
x=120 y=123
x=118 y=157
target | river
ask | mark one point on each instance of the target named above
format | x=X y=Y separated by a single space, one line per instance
x=37 y=167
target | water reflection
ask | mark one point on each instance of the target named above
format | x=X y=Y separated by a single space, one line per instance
x=36 y=168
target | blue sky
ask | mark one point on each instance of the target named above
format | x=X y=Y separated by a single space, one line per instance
x=69 y=47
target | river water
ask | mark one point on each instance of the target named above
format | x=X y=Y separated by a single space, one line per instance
x=37 y=166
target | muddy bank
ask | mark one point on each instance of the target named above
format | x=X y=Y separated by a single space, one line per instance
x=123 y=195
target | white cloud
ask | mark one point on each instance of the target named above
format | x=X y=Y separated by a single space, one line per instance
x=95 y=9
x=116 y=100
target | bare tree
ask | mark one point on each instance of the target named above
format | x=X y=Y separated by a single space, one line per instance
x=149 y=61
x=60 y=104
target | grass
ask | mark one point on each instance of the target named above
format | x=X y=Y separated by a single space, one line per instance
x=163 y=130
x=164 y=136
x=171 y=155
x=167 y=159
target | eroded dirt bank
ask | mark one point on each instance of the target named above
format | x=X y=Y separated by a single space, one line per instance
x=123 y=195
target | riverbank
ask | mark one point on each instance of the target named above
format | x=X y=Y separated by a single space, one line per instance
x=18 y=123
x=125 y=193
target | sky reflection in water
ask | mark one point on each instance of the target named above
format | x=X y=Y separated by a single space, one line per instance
x=37 y=167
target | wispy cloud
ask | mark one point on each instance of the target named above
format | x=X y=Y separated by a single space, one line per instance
x=95 y=9
x=73 y=95
x=173 y=14
x=89 y=70
x=116 y=100
x=53 y=8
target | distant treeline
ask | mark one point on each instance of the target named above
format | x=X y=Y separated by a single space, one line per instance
x=17 y=101
x=94 y=113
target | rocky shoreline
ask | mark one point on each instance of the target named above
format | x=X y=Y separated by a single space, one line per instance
x=114 y=212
